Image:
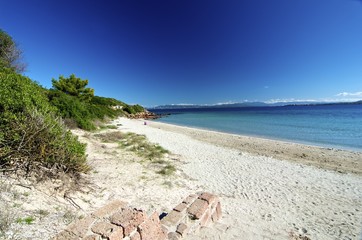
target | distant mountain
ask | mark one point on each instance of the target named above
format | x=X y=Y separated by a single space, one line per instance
x=332 y=103
x=249 y=104
x=224 y=105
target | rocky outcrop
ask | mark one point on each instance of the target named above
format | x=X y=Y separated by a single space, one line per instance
x=145 y=115
x=194 y=212
x=117 y=221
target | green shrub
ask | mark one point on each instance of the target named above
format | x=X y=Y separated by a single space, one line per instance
x=83 y=113
x=26 y=220
x=133 y=109
x=100 y=112
x=32 y=136
x=107 y=101
x=74 y=86
x=71 y=107
x=78 y=105
x=10 y=54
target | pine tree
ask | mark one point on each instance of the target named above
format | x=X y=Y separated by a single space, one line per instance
x=74 y=86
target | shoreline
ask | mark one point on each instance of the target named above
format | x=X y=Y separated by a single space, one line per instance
x=306 y=143
x=262 y=195
x=335 y=159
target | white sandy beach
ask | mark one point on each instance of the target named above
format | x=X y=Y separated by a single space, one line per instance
x=263 y=197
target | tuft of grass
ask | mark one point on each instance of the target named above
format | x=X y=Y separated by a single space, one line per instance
x=110 y=136
x=69 y=216
x=142 y=147
x=159 y=161
x=168 y=184
x=167 y=170
x=139 y=144
x=102 y=127
x=27 y=220
x=16 y=205
x=42 y=213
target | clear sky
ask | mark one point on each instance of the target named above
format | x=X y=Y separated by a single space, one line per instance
x=194 y=51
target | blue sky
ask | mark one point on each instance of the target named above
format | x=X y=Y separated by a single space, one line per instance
x=190 y=51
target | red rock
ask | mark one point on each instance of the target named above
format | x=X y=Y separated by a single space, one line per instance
x=117 y=234
x=208 y=197
x=151 y=229
x=205 y=220
x=214 y=216
x=190 y=199
x=129 y=219
x=173 y=236
x=182 y=229
x=64 y=235
x=198 y=208
x=172 y=219
x=164 y=229
x=108 y=230
x=92 y=237
x=109 y=209
x=80 y=227
x=218 y=210
x=181 y=207
x=135 y=236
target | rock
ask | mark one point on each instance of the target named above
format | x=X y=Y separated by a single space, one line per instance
x=144 y=115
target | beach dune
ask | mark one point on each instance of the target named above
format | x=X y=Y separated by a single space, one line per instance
x=267 y=190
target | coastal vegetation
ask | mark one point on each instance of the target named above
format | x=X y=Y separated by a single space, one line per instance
x=80 y=108
x=33 y=138
x=34 y=121
x=10 y=54
x=138 y=144
x=36 y=142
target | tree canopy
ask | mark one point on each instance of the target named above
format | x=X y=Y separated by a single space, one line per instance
x=10 y=54
x=74 y=86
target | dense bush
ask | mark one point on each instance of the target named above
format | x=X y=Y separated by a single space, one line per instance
x=107 y=101
x=32 y=136
x=74 y=86
x=101 y=112
x=78 y=105
x=73 y=108
x=83 y=113
x=133 y=109
x=10 y=54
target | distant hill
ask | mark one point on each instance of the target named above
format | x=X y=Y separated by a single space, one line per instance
x=331 y=103
x=250 y=104
x=226 y=105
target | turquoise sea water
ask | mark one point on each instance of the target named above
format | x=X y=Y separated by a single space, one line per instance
x=334 y=126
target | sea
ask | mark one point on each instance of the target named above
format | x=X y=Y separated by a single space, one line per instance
x=330 y=126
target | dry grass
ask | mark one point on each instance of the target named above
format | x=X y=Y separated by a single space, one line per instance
x=8 y=213
x=102 y=127
x=153 y=153
x=140 y=145
x=110 y=137
x=167 y=170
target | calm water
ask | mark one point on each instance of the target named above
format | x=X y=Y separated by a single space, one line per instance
x=337 y=126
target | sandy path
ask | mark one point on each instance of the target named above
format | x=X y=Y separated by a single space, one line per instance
x=264 y=198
